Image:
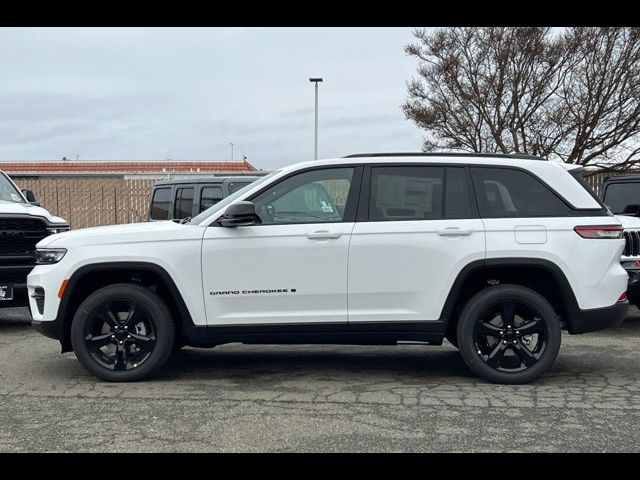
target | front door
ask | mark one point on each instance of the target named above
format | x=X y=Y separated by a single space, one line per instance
x=291 y=268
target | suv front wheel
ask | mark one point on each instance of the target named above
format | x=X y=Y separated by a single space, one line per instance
x=122 y=333
x=509 y=334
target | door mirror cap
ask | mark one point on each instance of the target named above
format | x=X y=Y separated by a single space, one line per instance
x=31 y=198
x=240 y=214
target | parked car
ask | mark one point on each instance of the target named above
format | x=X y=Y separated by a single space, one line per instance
x=621 y=193
x=186 y=197
x=23 y=223
x=495 y=253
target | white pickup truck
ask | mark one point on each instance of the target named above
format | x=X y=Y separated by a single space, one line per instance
x=23 y=223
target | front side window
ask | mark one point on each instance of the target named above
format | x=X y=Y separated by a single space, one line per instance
x=209 y=196
x=406 y=193
x=160 y=204
x=505 y=192
x=184 y=203
x=316 y=196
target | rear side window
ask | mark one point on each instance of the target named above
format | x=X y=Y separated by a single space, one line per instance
x=406 y=193
x=235 y=186
x=505 y=192
x=210 y=196
x=160 y=204
x=622 y=197
x=184 y=203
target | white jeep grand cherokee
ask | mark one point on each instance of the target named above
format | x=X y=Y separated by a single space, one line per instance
x=494 y=253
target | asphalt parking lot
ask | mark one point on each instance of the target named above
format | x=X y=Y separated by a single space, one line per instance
x=320 y=398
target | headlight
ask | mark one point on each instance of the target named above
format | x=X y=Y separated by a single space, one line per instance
x=47 y=256
x=57 y=229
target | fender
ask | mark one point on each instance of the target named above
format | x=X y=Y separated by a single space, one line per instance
x=63 y=322
x=570 y=304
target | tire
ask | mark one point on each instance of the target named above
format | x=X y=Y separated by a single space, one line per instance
x=123 y=333
x=496 y=349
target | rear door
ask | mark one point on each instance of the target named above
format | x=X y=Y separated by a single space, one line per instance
x=417 y=228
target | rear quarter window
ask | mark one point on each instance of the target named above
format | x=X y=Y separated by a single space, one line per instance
x=506 y=192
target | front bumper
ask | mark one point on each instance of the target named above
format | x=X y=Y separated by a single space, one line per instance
x=16 y=276
x=48 y=329
x=633 y=287
x=591 y=320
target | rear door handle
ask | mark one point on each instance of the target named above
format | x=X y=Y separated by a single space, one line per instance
x=323 y=235
x=454 y=232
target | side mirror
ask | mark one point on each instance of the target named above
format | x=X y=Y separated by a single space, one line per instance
x=31 y=198
x=632 y=210
x=240 y=214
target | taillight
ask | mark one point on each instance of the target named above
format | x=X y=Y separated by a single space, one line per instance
x=599 y=231
x=623 y=297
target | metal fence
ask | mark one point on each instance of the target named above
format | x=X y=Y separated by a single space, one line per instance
x=89 y=202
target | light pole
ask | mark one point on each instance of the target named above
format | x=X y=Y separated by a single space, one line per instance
x=231 y=150
x=316 y=81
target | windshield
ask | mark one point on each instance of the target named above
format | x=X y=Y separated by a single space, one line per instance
x=8 y=192
x=222 y=204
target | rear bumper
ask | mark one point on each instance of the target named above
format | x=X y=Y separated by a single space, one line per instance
x=584 y=321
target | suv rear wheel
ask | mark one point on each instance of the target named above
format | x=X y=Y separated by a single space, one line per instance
x=122 y=333
x=509 y=334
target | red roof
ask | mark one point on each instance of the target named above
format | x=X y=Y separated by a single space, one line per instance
x=71 y=166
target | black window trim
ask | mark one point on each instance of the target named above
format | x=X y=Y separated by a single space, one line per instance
x=571 y=212
x=351 y=205
x=365 y=191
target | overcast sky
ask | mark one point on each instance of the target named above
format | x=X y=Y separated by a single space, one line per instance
x=185 y=93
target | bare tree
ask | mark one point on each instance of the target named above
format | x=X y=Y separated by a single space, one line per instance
x=572 y=95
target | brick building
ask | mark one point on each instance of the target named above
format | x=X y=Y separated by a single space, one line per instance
x=96 y=193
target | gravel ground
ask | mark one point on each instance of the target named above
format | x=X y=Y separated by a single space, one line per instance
x=320 y=398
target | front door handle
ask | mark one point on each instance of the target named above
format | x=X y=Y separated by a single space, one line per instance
x=454 y=232
x=323 y=235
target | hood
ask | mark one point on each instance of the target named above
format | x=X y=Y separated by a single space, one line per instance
x=126 y=233
x=629 y=222
x=28 y=209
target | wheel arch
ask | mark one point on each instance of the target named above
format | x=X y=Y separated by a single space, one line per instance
x=89 y=278
x=541 y=275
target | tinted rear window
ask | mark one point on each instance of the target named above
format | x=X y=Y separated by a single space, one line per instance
x=160 y=204
x=406 y=193
x=184 y=203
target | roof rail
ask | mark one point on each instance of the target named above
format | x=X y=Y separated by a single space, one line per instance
x=521 y=156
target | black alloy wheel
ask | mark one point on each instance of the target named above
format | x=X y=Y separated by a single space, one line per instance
x=123 y=332
x=509 y=334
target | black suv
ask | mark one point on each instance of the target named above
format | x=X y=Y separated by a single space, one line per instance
x=187 y=197
x=621 y=193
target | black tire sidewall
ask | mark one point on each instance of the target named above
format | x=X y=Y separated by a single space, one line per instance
x=159 y=315
x=478 y=304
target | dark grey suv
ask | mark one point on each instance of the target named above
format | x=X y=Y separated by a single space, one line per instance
x=186 y=197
